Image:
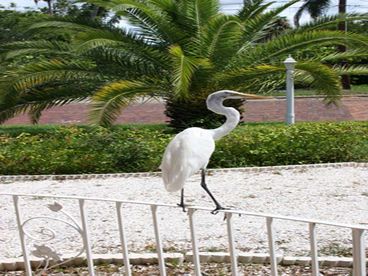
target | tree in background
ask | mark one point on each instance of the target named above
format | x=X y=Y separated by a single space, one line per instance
x=13 y=24
x=72 y=9
x=345 y=79
x=181 y=50
x=50 y=9
x=360 y=27
x=316 y=8
x=12 y=28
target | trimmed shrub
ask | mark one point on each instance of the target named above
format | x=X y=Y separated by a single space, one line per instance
x=305 y=143
x=81 y=149
x=71 y=150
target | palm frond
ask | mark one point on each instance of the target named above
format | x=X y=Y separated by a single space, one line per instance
x=148 y=28
x=287 y=44
x=19 y=48
x=166 y=5
x=183 y=70
x=133 y=62
x=84 y=31
x=66 y=25
x=325 y=79
x=150 y=20
x=242 y=77
x=10 y=112
x=220 y=39
x=120 y=63
x=96 y=43
x=350 y=55
x=351 y=70
x=58 y=97
x=328 y=21
x=256 y=27
x=111 y=98
x=253 y=8
x=38 y=100
x=199 y=12
x=40 y=73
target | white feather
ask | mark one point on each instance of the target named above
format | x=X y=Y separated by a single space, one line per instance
x=188 y=152
x=192 y=148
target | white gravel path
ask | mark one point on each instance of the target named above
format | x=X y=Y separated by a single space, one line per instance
x=334 y=194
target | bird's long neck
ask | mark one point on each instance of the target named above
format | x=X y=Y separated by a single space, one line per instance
x=232 y=120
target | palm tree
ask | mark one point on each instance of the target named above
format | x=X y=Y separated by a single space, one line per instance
x=345 y=79
x=316 y=8
x=181 y=50
x=49 y=6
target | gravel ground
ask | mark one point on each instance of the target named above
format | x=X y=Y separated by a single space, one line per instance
x=334 y=194
x=187 y=269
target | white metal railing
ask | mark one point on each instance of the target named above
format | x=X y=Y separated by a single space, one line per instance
x=358 y=231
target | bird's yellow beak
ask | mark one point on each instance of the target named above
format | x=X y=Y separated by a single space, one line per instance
x=252 y=96
x=238 y=95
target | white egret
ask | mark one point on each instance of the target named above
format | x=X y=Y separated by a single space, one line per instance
x=190 y=150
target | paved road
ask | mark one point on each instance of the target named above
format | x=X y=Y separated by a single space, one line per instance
x=306 y=109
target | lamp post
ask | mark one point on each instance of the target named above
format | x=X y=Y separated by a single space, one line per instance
x=290 y=66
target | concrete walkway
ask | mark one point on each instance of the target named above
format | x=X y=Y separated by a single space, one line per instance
x=306 y=108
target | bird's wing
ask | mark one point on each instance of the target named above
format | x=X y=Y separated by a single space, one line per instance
x=187 y=153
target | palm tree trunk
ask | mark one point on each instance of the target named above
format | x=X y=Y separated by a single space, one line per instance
x=95 y=11
x=193 y=112
x=49 y=5
x=345 y=79
x=342 y=11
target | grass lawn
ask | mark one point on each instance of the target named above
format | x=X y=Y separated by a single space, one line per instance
x=359 y=89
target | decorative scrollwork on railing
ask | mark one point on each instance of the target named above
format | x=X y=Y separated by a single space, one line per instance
x=46 y=234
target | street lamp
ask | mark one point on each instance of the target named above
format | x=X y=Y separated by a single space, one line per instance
x=290 y=66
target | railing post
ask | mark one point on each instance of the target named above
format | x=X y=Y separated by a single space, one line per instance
x=86 y=240
x=314 y=251
x=359 y=260
x=27 y=264
x=160 y=253
x=271 y=245
x=232 y=250
x=358 y=236
x=196 y=260
x=290 y=66
x=123 y=240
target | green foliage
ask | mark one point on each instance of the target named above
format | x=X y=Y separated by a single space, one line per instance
x=305 y=143
x=177 y=49
x=314 y=8
x=91 y=149
x=68 y=150
x=13 y=24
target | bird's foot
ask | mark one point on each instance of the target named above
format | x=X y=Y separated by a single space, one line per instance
x=182 y=205
x=217 y=209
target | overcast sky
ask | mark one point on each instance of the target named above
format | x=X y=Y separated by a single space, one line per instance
x=230 y=6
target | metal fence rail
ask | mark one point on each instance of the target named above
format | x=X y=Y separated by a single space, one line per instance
x=358 y=231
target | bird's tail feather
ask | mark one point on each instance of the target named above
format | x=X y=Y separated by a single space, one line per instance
x=174 y=172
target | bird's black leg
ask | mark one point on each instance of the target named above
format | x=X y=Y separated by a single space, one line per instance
x=204 y=186
x=181 y=204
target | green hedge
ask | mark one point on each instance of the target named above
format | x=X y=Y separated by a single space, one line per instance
x=71 y=150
